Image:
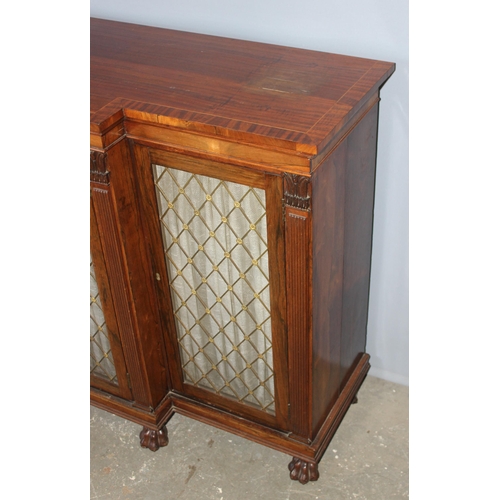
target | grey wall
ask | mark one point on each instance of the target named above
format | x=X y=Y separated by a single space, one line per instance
x=366 y=28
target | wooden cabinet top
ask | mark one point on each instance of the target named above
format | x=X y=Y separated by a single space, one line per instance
x=298 y=101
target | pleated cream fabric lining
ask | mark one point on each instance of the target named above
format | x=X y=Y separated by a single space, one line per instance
x=215 y=241
x=101 y=358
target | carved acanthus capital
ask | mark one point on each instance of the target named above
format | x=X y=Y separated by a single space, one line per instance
x=99 y=167
x=297 y=191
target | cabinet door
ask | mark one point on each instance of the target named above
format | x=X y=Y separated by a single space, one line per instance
x=215 y=233
x=107 y=365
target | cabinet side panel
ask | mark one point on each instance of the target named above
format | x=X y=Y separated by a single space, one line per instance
x=343 y=189
x=360 y=185
x=328 y=244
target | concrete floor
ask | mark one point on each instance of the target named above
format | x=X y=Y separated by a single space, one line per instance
x=367 y=458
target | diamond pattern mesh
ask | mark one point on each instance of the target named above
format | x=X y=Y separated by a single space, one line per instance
x=215 y=241
x=101 y=358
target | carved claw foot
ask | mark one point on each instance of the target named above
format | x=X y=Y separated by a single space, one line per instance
x=153 y=439
x=303 y=471
x=354 y=400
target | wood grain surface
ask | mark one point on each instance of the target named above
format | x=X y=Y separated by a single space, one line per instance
x=294 y=99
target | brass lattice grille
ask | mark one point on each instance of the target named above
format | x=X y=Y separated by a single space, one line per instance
x=101 y=358
x=215 y=241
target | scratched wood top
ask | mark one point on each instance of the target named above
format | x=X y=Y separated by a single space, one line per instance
x=246 y=91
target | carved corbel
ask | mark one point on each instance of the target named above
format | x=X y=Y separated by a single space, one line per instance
x=297 y=191
x=99 y=167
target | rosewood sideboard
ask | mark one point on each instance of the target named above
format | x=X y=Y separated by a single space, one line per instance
x=232 y=193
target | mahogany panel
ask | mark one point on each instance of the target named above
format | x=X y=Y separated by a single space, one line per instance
x=360 y=187
x=343 y=203
x=328 y=254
